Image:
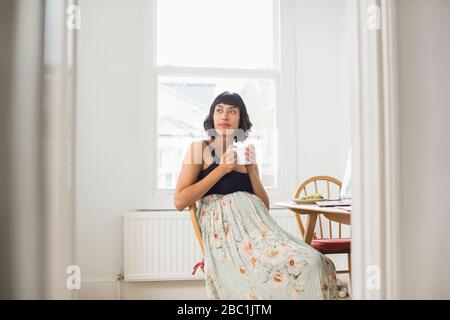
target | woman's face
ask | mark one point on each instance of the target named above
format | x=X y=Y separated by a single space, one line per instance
x=226 y=119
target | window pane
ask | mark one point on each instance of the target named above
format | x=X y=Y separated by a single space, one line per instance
x=184 y=103
x=215 y=33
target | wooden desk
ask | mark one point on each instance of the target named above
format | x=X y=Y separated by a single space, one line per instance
x=313 y=210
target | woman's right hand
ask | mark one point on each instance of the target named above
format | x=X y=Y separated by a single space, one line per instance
x=228 y=161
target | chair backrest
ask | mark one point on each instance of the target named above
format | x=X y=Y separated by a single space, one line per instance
x=314 y=185
x=195 y=224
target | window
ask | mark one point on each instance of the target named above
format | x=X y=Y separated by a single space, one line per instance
x=215 y=33
x=204 y=47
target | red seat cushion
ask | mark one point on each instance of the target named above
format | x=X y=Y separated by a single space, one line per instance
x=327 y=245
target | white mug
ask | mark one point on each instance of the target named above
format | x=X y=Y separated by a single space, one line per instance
x=239 y=147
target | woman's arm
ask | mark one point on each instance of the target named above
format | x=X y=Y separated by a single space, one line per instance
x=253 y=172
x=257 y=185
x=187 y=190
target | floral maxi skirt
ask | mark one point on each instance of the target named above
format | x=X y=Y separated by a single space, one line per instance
x=249 y=256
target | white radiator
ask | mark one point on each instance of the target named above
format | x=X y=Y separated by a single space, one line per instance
x=161 y=246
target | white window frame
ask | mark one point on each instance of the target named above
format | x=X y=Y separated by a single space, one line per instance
x=283 y=75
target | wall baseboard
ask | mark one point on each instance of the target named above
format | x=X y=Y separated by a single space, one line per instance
x=151 y=290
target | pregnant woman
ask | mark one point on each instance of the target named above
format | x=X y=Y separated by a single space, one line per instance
x=247 y=254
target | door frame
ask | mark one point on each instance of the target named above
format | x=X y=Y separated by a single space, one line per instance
x=374 y=112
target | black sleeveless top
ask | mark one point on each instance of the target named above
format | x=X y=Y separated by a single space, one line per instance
x=229 y=183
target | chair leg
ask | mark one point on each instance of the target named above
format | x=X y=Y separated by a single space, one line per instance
x=349 y=269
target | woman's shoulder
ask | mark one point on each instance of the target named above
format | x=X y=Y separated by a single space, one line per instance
x=199 y=144
x=196 y=151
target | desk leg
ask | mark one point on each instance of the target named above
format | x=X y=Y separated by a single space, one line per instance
x=310 y=226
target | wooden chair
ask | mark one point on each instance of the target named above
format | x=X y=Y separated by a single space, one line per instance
x=198 y=233
x=328 y=245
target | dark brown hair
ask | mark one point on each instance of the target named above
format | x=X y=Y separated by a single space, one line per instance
x=232 y=99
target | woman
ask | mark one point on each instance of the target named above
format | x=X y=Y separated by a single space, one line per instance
x=248 y=256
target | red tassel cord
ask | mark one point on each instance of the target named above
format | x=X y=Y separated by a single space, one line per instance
x=200 y=264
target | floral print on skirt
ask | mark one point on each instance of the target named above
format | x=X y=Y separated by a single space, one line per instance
x=249 y=256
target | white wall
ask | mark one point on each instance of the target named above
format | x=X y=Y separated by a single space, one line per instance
x=108 y=166
x=424 y=78
x=323 y=130
x=111 y=137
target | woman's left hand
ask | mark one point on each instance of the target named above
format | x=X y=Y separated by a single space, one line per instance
x=250 y=156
